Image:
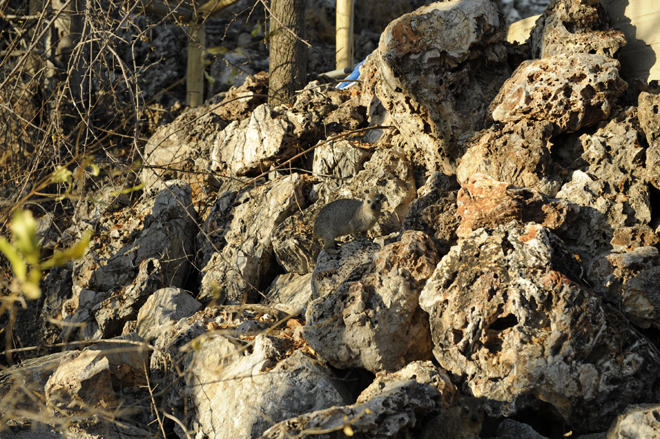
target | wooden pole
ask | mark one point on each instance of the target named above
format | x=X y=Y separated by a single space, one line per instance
x=344 y=35
x=195 y=71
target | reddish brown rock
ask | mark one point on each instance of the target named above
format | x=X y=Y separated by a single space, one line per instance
x=572 y=92
x=518 y=154
x=485 y=202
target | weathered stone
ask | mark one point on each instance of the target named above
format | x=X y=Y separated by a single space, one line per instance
x=510 y=429
x=570 y=27
x=182 y=146
x=339 y=158
x=254 y=144
x=434 y=211
x=164 y=307
x=239 y=102
x=508 y=313
x=291 y=293
x=391 y=413
x=128 y=359
x=484 y=202
x=246 y=262
x=438 y=67
x=572 y=92
x=625 y=239
x=631 y=281
x=649 y=118
x=639 y=420
x=388 y=172
x=236 y=394
x=515 y=153
x=81 y=382
x=372 y=320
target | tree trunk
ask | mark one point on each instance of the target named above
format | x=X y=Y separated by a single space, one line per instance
x=288 y=54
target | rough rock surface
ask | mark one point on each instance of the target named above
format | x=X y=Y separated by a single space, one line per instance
x=439 y=67
x=631 y=282
x=374 y=321
x=524 y=330
x=637 y=421
x=254 y=144
x=237 y=394
x=434 y=211
x=484 y=202
x=389 y=408
x=515 y=153
x=244 y=264
x=569 y=27
x=165 y=306
x=572 y=92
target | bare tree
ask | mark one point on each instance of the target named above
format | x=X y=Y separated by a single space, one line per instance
x=288 y=54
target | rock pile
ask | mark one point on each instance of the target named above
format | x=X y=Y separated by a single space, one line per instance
x=516 y=259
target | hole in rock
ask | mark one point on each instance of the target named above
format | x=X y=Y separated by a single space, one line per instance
x=458 y=335
x=352 y=381
x=544 y=419
x=654 y=202
x=503 y=323
x=556 y=347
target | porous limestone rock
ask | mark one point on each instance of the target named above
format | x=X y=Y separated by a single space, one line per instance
x=484 y=202
x=639 y=420
x=340 y=159
x=434 y=211
x=514 y=153
x=630 y=281
x=439 y=67
x=267 y=137
x=509 y=314
x=569 y=27
x=510 y=429
x=572 y=91
x=128 y=359
x=246 y=262
x=236 y=393
x=649 y=119
x=388 y=172
x=372 y=319
x=389 y=408
x=164 y=307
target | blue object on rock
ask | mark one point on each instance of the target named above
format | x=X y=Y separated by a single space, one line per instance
x=355 y=74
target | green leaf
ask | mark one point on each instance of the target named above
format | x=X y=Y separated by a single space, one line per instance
x=76 y=251
x=239 y=51
x=217 y=50
x=18 y=264
x=128 y=190
x=256 y=30
x=209 y=78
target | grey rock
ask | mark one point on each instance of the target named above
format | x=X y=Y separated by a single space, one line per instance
x=568 y=28
x=525 y=330
x=291 y=293
x=236 y=394
x=572 y=91
x=510 y=429
x=637 y=421
x=340 y=159
x=244 y=264
x=164 y=307
x=372 y=319
x=439 y=66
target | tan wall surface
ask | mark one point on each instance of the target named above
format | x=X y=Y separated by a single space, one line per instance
x=640 y=21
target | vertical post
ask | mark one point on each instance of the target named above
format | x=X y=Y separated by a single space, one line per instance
x=344 y=33
x=195 y=77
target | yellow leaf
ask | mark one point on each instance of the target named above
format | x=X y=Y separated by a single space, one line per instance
x=26 y=241
x=95 y=170
x=18 y=265
x=129 y=189
x=62 y=175
x=348 y=431
x=239 y=51
x=209 y=78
